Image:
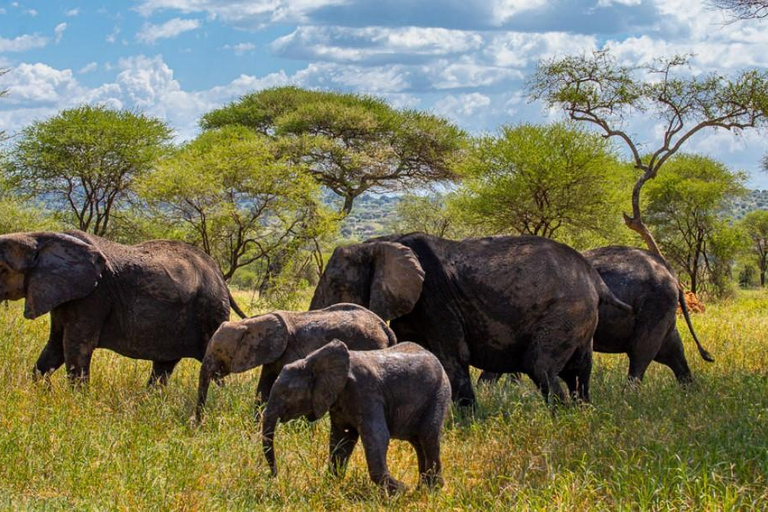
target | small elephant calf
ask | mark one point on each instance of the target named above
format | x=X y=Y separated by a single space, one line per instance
x=281 y=337
x=401 y=392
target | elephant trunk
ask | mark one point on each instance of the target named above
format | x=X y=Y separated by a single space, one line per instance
x=208 y=371
x=268 y=425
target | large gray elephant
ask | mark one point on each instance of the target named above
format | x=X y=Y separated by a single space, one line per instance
x=645 y=281
x=160 y=300
x=281 y=337
x=400 y=392
x=504 y=304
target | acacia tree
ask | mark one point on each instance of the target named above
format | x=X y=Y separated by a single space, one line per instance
x=85 y=161
x=756 y=225
x=540 y=180
x=685 y=205
x=598 y=90
x=238 y=202
x=743 y=9
x=348 y=142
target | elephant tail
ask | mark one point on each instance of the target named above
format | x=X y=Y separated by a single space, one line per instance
x=607 y=296
x=235 y=307
x=391 y=336
x=684 y=307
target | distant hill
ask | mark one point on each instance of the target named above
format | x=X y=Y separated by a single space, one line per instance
x=755 y=200
x=370 y=215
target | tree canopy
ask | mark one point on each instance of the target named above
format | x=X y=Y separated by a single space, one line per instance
x=541 y=180
x=85 y=160
x=686 y=206
x=599 y=90
x=232 y=196
x=348 y=142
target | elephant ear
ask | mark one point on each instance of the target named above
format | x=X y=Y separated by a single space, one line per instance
x=397 y=280
x=329 y=366
x=65 y=268
x=264 y=339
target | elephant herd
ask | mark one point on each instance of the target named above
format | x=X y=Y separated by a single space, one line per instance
x=525 y=305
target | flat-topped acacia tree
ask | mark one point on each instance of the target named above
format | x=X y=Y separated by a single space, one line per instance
x=350 y=143
x=597 y=89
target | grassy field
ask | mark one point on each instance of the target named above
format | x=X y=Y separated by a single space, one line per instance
x=118 y=445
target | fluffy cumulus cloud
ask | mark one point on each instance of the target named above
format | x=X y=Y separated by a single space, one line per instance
x=462 y=106
x=38 y=91
x=22 y=43
x=150 y=33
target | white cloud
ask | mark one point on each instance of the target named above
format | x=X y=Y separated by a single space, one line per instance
x=59 y=32
x=461 y=106
x=240 y=48
x=22 y=43
x=72 y=12
x=39 y=83
x=374 y=43
x=30 y=12
x=610 y=3
x=503 y=10
x=247 y=12
x=150 y=33
x=112 y=37
x=88 y=68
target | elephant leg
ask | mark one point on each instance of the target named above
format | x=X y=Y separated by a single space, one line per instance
x=577 y=373
x=375 y=437
x=343 y=441
x=672 y=354
x=489 y=377
x=461 y=384
x=52 y=356
x=430 y=468
x=161 y=372
x=266 y=381
x=78 y=351
x=549 y=385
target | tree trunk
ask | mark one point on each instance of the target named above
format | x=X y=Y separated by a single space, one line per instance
x=635 y=222
x=348 y=203
x=637 y=225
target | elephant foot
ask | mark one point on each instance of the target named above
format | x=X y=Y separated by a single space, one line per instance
x=392 y=486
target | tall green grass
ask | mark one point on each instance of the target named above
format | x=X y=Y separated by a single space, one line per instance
x=118 y=445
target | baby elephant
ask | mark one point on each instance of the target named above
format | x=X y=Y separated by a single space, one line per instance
x=400 y=392
x=281 y=337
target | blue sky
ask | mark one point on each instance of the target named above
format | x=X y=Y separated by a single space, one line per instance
x=465 y=59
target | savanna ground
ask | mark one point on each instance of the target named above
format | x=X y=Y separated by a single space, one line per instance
x=118 y=445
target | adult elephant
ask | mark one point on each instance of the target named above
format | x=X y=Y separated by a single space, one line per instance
x=504 y=304
x=160 y=300
x=645 y=281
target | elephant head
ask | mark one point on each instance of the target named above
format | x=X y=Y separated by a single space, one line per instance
x=240 y=346
x=385 y=277
x=47 y=269
x=307 y=387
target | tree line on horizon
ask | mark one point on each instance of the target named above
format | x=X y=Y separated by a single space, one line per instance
x=248 y=190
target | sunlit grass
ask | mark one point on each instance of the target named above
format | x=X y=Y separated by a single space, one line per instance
x=118 y=445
